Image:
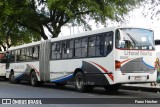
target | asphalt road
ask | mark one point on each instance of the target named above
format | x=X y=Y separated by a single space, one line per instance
x=24 y=90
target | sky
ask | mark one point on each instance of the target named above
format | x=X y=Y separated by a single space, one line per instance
x=136 y=19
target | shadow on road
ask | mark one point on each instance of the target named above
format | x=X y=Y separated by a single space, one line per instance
x=3 y=79
x=96 y=90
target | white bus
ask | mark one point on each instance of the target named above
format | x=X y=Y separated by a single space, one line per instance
x=108 y=57
x=2 y=65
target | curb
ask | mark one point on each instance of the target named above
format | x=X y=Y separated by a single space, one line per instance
x=136 y=88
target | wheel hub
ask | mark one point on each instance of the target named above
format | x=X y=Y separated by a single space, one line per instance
x=79 y=82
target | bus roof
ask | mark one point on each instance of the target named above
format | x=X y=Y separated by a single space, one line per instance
x=1 y=52
x=106 y=29
x=25 y=45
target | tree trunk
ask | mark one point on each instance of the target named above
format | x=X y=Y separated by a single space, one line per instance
x=9 y=45
x=43 y=35
x=56 y=32
x=4 y=47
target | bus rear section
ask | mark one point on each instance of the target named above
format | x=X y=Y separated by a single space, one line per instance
x=2 y=65
x=134 y=56
x=83 y=61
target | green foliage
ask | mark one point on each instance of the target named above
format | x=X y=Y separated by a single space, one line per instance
x=26 y=19
x=98 y=10
x=11 y=32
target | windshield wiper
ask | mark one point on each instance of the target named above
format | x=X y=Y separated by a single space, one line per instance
x=133 y=40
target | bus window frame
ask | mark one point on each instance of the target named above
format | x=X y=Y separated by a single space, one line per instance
x=87 y=36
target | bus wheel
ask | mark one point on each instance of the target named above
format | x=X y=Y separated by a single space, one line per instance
x=114 y=87
x=40 y=83
x=80 y=83
x=12 y=78
x=34 y=80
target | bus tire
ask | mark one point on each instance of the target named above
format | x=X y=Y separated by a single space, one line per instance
x=79 y=83
x=114 y=87
x=12 y=79
x=34 y=80
x=40 y=83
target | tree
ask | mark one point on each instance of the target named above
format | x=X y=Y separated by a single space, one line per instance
x=11 y=33
x=77 y=11
x=36 y=15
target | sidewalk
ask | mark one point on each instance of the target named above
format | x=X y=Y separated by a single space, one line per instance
x=142 y=87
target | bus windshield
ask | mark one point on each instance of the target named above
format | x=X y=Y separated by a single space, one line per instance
x=134 y=38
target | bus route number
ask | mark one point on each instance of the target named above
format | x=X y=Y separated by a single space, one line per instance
x=124 y=57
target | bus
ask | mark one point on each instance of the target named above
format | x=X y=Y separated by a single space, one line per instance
x=107 y=57
x=2 y=65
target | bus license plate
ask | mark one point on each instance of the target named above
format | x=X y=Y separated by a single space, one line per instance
x=138 y=78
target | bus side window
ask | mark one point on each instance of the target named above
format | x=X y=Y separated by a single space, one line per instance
x=27 y=54
x=35 y=53
x=91 y=48
x=53 y=51
x=77 y=46
x=31 y=53
x=117 y=40
x=56 y=51
x=64 y=49
x=70 y=48
x=23 y=57
x=100 y=45
x=84 y=47
x=18 y=55
x=109 y=42
x=11 y=56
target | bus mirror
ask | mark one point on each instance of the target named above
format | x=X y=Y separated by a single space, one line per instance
x=118 y=34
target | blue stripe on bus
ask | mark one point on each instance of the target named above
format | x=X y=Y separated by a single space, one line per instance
x=63 y=78
x=148 y=65
x=19 y=75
